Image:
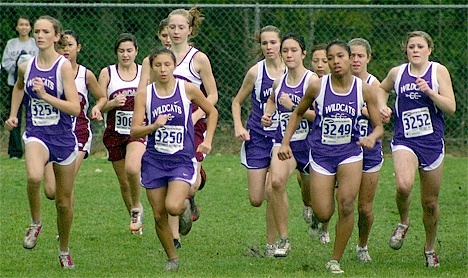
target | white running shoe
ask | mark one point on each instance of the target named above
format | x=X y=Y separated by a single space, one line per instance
x=65 y=260
x=396 y=240
x=136 y=219
x=270 y=250
x=324 y=237
x=172 y=265
x=363 y=254
x=431 y=259
x=283 y=248
x=30 y=239
x=333 y=267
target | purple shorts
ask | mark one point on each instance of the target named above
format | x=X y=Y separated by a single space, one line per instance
x=256 y=153
x=63 y=149
x=430 y=155
x=373 y=159
x=327 y=164
x=302 y=161
x=156 y=173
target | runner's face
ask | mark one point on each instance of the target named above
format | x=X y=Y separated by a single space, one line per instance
x=320 y=63
x=417 y=50
x=359 y=59
x=292 y=53
x=179 y=29
x=270 y=44
x=126 y=53
x=164 y=67
x=165 y=38
x=70 y=49
x=44 y=34
x=338 y=60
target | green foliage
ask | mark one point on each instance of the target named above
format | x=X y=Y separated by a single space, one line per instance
x=221 y=241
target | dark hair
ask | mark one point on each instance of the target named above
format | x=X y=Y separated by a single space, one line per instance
x=162 y=24
x=23 y=17
x=125 y=37
x=319 y=47
x=341 y=43
x=158 y=51
x=73 y=34
x=296 y=37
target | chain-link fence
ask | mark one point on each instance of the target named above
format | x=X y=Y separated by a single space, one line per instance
x=226 y=37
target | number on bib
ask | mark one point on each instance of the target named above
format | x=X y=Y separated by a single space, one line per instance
x=300 y=133
x=169 y=139
x=43 y=114
x=274 y=119
x=417 y=122
x=363 y=128
x=336 y=131
x=123 y=121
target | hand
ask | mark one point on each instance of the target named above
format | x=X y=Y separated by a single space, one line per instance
x=242 y=133
x=266 y=120
x=367 y=143
x=204 y=147
x=161 y=120
x=119 y=100
x=285 y=101
x=285 y=152
x=11 y=123
x=38 y=87
x=423 y=86
x=386 y=114
x=96 y=114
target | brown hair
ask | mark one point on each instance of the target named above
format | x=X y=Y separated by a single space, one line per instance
x=258 y=38
x=421 y=34
x=194 y=18
x=58 y=28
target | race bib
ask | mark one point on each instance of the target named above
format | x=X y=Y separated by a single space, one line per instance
x=363 y=128
x=123 y=121
x=169 y=139
x=43 y=114
x=336 y=131
x=417 y=122
x=274 y=119
x=300 y=133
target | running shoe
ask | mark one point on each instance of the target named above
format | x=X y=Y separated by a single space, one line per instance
x=185 y=219
x=324 y=237
x=363 y=254
x=194 y=209
x=65 y=260
x=203 y=178
x=314 y=227
x=333 y=266
x=307 y=214
x=270 y=250
x=283 y=248
x=30 y=239
x=177 y=244
x=172 y=265
x=396 y=240
x=431 y=259
x=136 y=219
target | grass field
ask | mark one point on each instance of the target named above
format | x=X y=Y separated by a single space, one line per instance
x=220 y=242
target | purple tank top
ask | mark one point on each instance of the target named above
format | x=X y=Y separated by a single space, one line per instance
x=295 y=93
x=41 y=117
x=174 y=141
x=416 y=115
x=335 y=129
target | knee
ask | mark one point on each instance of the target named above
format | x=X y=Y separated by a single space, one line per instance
x=256 y=202
x=278 y=184
x=404 y=187
x=430 y=206
x=131 y=169
x=62 y=203
x=175 y=209
x=34 y=180
x=365 y=209
x=346 y=207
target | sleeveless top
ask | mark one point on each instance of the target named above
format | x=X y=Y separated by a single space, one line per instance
x=335 y=129
x=295 y=93
x=260 y=94
x=42 y=117
x=82 y=122
x=119 y=119
x=416 y=115
x=175 y=140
